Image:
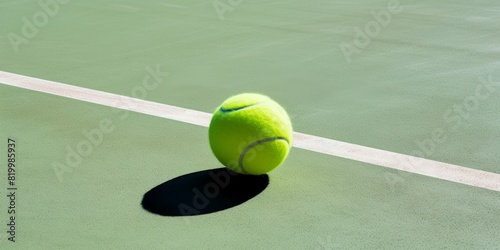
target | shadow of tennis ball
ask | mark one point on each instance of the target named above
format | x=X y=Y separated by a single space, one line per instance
x=203 y=192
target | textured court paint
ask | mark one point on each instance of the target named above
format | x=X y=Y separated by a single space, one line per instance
x=108 y=99
x=440 y=170
x=407 y=163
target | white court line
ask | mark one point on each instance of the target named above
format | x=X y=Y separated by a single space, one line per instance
x=440 y=170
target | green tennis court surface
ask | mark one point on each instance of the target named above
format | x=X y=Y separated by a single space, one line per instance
x=417 y=78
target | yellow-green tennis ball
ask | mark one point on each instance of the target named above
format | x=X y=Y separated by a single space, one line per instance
x=250 y=134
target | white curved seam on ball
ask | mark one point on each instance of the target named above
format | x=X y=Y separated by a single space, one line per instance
x=242 y=108
x=242 y=156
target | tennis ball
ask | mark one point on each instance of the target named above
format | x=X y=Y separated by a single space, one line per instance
x=250 y=134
